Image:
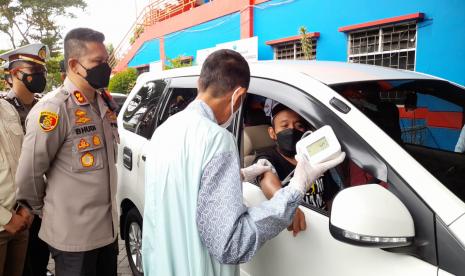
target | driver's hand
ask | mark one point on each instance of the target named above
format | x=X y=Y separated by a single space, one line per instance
x=298 y=223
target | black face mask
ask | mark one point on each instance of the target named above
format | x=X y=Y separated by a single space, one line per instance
x=98 y=76
x=34 y=82
x=287 y=139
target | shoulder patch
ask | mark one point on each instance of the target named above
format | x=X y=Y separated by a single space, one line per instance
x=48 y=120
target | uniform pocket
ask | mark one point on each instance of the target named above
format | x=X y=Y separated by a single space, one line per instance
x=87 y=153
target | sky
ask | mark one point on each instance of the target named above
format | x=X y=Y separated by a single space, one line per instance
x=111 y=17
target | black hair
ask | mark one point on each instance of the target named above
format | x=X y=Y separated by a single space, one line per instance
x=75 y=42
x=224 y=70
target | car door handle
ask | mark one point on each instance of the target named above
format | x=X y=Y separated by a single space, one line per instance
x=127 y=158
x=143 y=157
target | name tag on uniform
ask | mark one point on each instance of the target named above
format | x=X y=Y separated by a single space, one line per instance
x=85 y=129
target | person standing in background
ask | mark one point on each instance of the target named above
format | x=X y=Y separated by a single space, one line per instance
x=13 y=225
x=27 y=72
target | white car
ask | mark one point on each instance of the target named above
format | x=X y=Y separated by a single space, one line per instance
x=409 y=218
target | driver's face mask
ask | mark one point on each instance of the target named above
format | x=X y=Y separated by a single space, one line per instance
x=287 y=139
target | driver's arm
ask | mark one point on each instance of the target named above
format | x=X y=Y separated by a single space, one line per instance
x=270 y=183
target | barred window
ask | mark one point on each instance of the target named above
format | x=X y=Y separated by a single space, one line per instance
x=293 y=50
x=186 y=60
x=389 y=46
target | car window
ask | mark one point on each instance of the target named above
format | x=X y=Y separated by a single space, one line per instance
x=260 y=144
x=178 y=99
x=369 y=166
x=119 y=99
x=144 y=103
x=425 y=117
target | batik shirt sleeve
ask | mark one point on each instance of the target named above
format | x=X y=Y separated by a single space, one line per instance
x=231 y=232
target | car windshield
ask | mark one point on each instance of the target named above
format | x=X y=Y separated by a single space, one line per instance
x=425 y=117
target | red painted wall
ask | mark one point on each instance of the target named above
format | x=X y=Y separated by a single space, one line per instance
x=453 y=120
x=193 y=17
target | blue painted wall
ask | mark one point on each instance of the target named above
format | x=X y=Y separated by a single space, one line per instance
x=441 y=36
x=148 y=52
x=440 y=42
x=206 y=35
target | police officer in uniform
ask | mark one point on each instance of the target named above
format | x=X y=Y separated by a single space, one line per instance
x=27 y=75
x=71 y=137
x=13 y=225
x=26 y=67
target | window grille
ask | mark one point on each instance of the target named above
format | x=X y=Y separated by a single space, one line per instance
x=389 y=46
x=293 y=50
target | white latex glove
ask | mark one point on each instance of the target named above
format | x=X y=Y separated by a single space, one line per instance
x=251 y=172
x=305 y=174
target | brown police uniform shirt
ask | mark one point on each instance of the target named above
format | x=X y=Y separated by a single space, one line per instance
x=11 y=137
x=22 y=109
x=74 y=143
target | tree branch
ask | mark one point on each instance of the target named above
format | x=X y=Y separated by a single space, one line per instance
x=22 y=34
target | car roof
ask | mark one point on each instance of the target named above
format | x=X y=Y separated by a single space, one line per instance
x=335 y=72
x=327 y=72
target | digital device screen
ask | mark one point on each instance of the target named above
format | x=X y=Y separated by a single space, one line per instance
x=317 y=146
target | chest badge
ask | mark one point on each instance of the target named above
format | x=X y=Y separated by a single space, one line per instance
x=96 y=140
x=111 y=115
x=83 y=144
x=87 y=160
x=81 y=117
x=48 y=120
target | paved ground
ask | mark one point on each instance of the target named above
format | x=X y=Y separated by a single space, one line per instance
x=123 y=265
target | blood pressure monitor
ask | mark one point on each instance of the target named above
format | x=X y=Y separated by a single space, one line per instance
x=320 y=146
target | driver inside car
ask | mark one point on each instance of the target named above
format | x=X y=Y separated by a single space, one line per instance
x=287 y=128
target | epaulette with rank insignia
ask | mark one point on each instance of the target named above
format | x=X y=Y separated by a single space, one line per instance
x=57 y=96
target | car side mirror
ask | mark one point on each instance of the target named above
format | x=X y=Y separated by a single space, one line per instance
x=371 y=216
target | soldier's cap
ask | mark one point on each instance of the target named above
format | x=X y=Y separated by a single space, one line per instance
x=36 y=53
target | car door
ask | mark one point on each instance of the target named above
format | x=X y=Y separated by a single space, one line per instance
x=136 y=127
x=178 y=95
x=315 y=251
